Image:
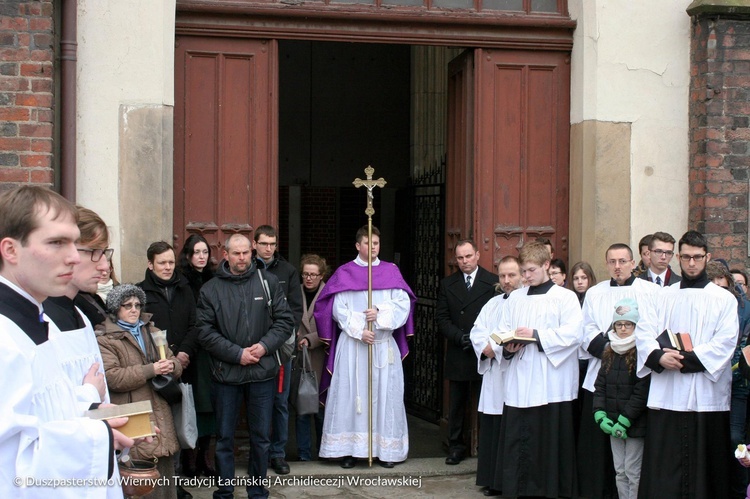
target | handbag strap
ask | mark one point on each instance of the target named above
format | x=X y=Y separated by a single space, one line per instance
x=306 y=363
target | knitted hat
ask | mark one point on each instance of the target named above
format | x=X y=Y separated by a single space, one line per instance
x=122 y=293
x=626 y=310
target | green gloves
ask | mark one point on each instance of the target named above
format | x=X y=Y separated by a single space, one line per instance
x=619 y=430
x=604 y=422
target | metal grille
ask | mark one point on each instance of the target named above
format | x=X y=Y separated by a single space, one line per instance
x=423 y=226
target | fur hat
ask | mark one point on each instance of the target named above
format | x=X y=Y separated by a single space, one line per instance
x=626 y=310
x=122 y=293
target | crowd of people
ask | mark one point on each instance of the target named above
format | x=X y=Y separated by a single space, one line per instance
x=635 y=386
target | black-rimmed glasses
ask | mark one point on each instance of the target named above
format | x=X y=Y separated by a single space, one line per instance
x=96 y=254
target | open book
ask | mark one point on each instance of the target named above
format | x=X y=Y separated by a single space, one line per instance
x=511 y=338
x=678 y=341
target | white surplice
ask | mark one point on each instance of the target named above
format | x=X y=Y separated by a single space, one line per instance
x=345 y=427
x=598 y=309
x=709 y=314
x=76 y=351
x=534 y=378
x=42 y=432
x=491 y=397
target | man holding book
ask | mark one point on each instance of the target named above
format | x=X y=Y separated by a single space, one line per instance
x=688 y=418
x=491 y=396
x=536 y=449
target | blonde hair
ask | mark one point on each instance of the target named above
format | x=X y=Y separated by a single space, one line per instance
x=534 y=252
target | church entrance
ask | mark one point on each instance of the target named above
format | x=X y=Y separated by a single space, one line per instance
x=275 y=131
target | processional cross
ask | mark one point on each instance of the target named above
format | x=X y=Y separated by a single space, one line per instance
x=369 y=184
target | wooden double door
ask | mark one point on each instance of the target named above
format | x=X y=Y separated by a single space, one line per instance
x=507 y=145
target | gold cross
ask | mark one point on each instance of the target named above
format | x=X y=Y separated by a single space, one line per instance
x=369 y=184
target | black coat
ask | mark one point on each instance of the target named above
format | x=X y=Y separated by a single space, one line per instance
x=622 y=392
x=177 y=316
x=233 y=315
x=456 y=312
x=290 y=283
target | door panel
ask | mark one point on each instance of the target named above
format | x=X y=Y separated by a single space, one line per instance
x=522 y=150
x=226 y=178
x=459 y=214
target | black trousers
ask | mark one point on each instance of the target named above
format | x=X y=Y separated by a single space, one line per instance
x=459 y=398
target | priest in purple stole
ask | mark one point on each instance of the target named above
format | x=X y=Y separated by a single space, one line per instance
x=342 y=314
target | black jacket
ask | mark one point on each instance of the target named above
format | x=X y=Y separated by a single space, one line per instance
x=232 y=315
x=289 y=280
x=455 y=314
x=176 y=316
x=621 y=392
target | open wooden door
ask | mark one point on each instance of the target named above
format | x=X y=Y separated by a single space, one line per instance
x=507 y=157
x=522 y=150
x=226 y=144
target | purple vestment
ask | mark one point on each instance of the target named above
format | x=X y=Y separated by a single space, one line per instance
x=353 y=277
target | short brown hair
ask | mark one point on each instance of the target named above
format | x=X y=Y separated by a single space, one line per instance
x=158 y=248
x=313 y=259
x=92 y=227
x=264 y=230
x=661 y=236
x=534 y=252
x=20 y=211
x=362 y=233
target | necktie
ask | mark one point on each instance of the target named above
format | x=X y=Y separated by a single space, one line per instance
x=468 y=283
x=658 y=280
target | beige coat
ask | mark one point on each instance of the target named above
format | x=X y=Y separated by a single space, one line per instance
x=128 y=373
x=309 y=330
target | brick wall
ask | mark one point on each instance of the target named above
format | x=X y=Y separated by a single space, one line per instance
x=26 y=92
x=720 y=135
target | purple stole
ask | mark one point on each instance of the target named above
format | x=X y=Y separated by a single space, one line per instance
x=353 y=277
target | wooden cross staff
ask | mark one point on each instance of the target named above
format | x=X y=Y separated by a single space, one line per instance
x=369 y=184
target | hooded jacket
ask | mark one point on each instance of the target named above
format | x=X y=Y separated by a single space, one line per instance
x=128 y=370
x=233 y=314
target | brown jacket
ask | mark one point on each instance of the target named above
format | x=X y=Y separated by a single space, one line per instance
x=309 y=330
x=128 y=373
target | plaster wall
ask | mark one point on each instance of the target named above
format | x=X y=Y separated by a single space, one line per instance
x=630 y=70
x=125 y=92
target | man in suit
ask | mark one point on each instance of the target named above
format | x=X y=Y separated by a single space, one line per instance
x=661 y=251
x=460 y=299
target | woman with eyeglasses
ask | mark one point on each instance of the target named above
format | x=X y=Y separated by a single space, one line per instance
x=314 y=270
x=131 y=360
x=620 y=398
x=195 y=264
x=558 y=272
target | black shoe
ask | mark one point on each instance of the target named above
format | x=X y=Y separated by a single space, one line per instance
x=455 y=457
x=386 y=464
x=348 y=462
x=491 y=492
x=182 y=493
x=280 y=466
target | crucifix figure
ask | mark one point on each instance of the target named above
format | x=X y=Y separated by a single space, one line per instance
x=369 y=184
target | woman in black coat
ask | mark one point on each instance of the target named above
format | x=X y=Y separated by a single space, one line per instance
x=194 y=262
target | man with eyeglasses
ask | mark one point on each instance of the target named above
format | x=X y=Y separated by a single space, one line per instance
x=596 y=473
x=42 y=432
x=660 y=253
x=267 y=257
x=76 y=312
x=688 y=418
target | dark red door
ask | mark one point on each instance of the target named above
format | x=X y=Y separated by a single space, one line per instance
x=522 y=150
x=226 y=145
